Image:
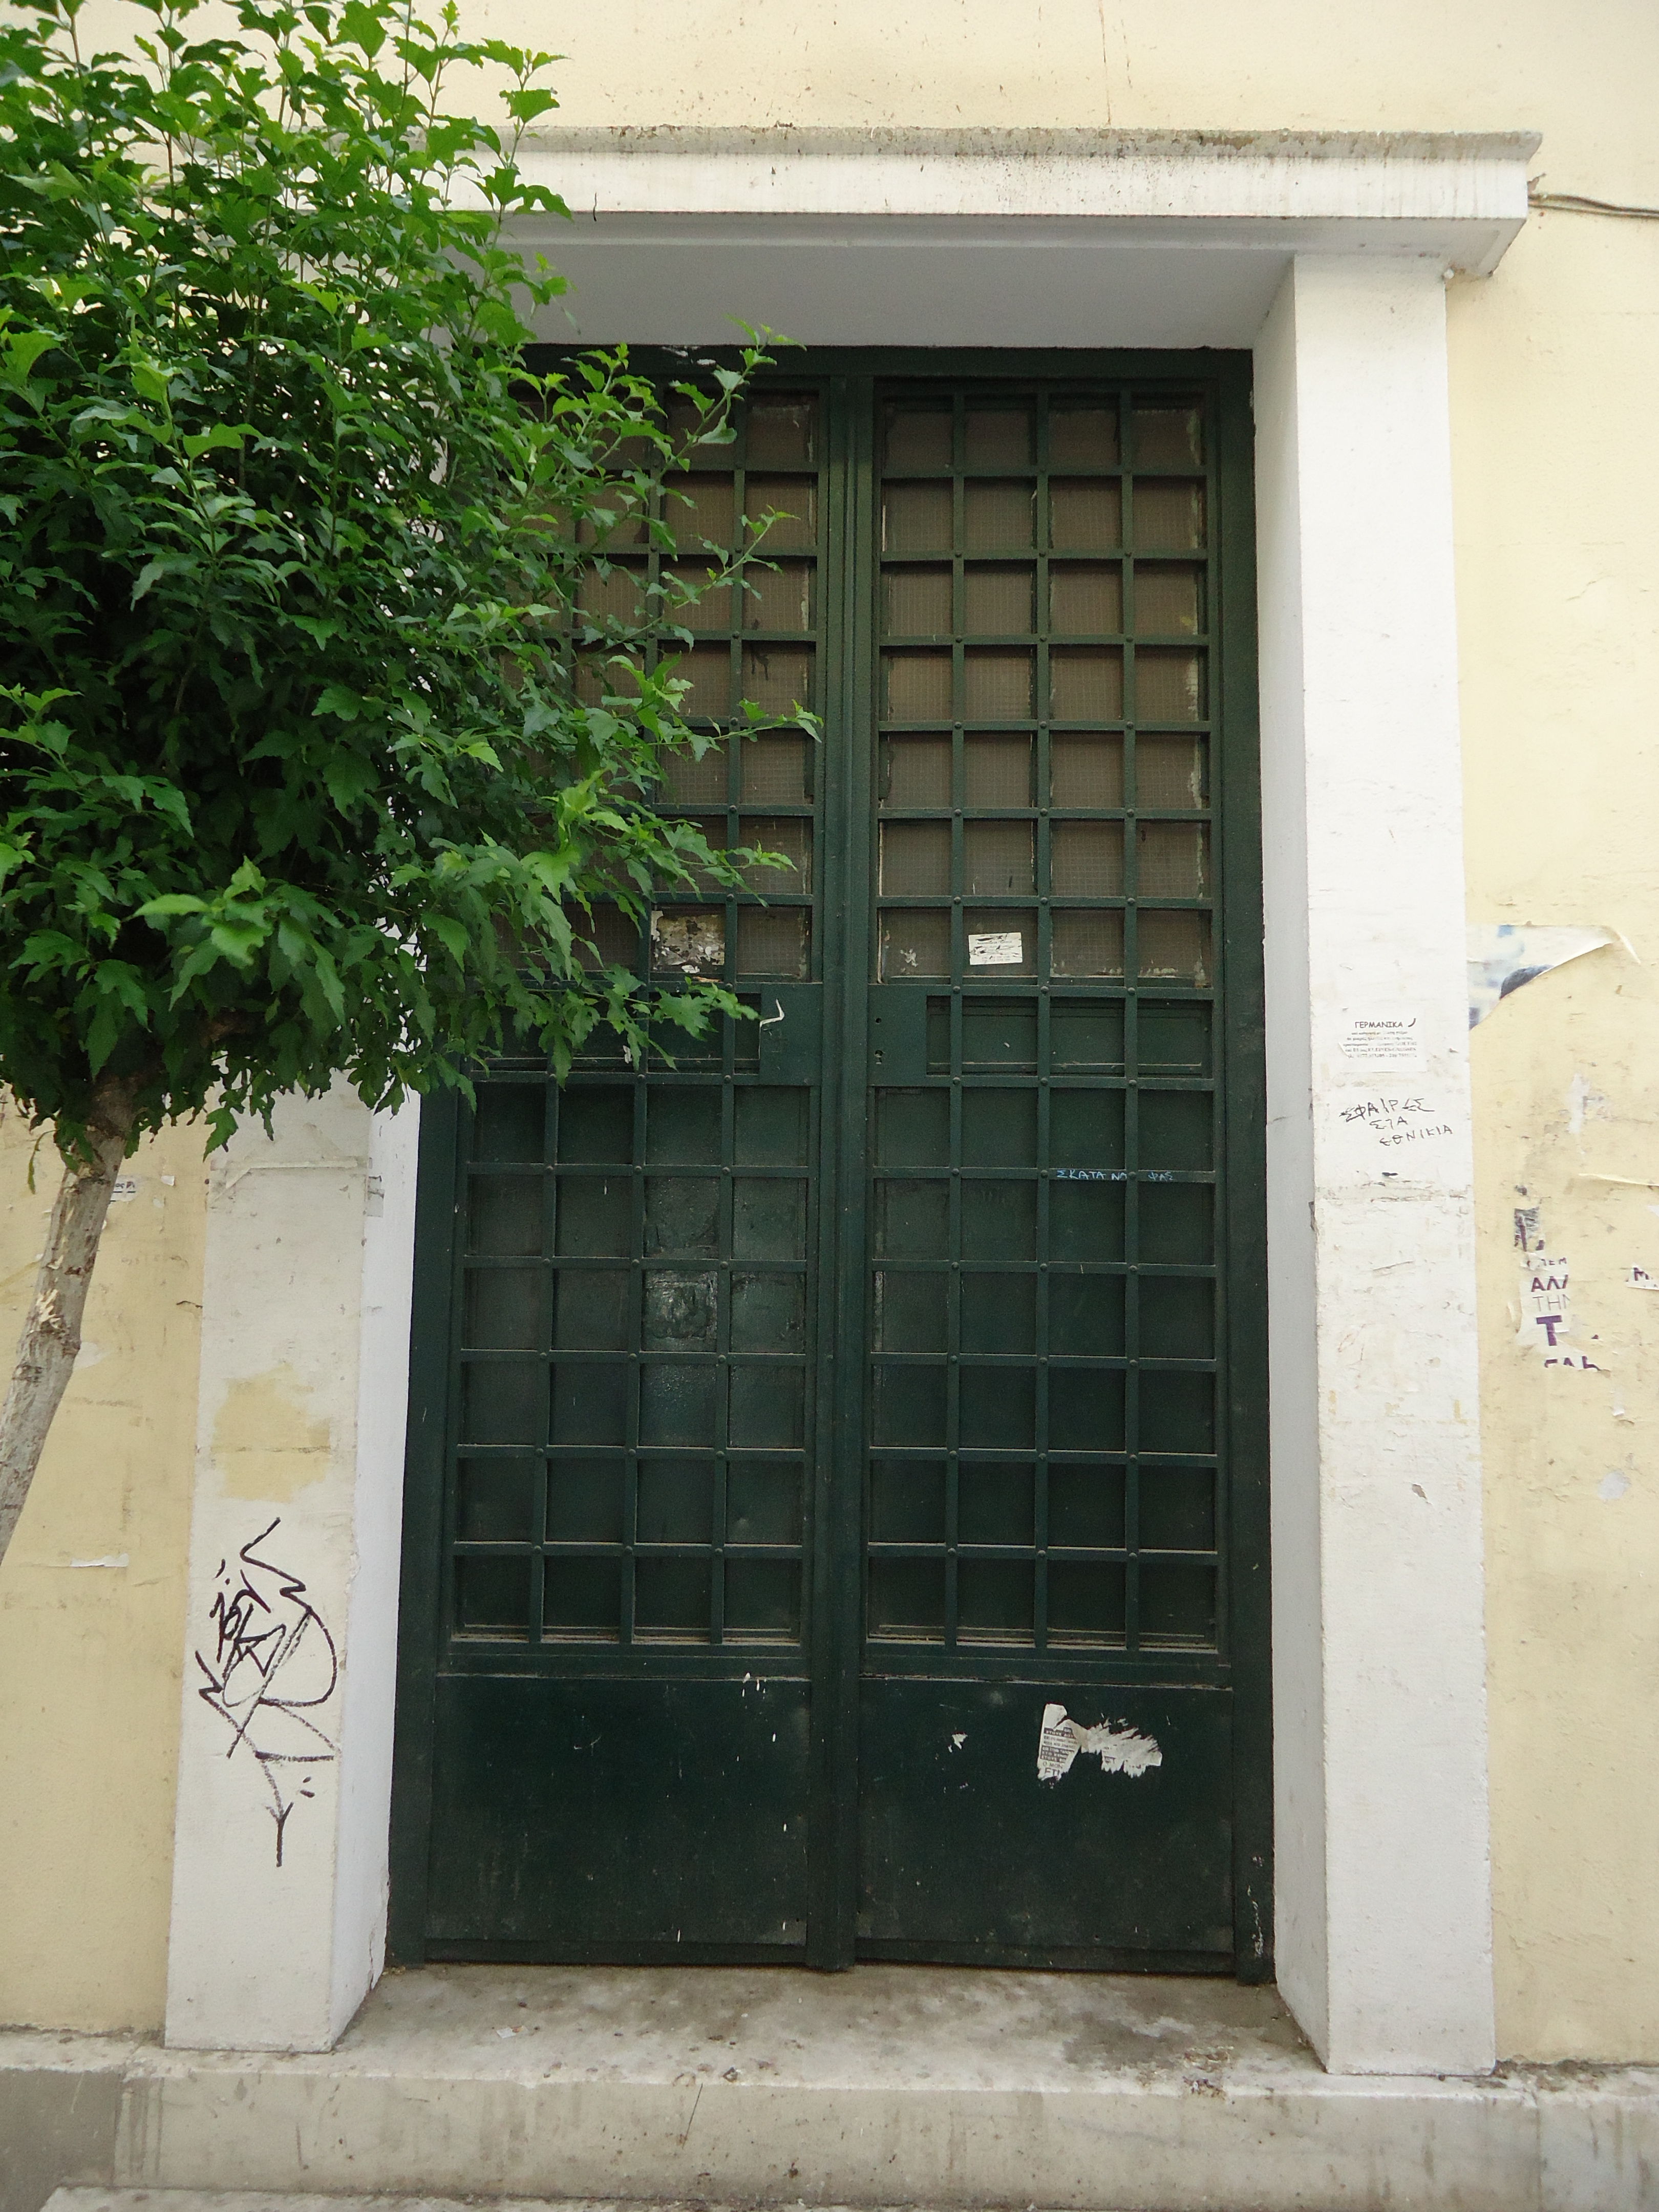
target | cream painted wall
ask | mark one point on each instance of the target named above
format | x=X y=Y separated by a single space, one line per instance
x=90 y=1653
x=1553 y=365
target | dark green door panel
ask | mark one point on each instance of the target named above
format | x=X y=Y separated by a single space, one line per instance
x=791 y=1424
x=670 y=1814
x=965 y=1850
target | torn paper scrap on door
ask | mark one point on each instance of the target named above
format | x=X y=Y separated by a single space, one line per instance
x=1120 y=1750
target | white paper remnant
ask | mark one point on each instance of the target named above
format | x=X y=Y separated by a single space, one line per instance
x=1640 y=1279
x=1503 y=956
x=123 y=1190
x=1546 y=1304
x=1390 y=1037
x=1003 y=948
x=688 y=944
x=1120 y=1750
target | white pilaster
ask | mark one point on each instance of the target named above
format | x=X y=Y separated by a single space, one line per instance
x=1384 y=1936
x=284 y=1778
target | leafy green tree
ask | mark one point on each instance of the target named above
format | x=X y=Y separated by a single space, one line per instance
x=310 y=763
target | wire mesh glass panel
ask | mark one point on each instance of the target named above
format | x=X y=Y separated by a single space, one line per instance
x=1085 y=600
x=916 y=602
x=998 y=769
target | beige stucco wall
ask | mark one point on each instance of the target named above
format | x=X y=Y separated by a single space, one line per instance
x=90 y=1654
x=1553 y=364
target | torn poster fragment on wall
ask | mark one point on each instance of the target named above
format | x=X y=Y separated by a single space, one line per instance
x=1545 y=1326
x=1120 y=1750
x=1503 y=956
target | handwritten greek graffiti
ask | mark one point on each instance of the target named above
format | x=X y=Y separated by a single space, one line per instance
x=271 y=1665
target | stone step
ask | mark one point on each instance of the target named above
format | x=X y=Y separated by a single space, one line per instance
x=889 y=2086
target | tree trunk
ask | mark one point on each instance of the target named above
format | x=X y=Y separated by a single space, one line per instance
x=51 y=1341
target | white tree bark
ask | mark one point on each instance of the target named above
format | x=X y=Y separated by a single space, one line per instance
x=51 y=1341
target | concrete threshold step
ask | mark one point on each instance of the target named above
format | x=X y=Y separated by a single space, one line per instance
x=891 y=2085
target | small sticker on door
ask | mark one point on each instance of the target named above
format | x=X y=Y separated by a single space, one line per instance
x=1002 y=948
x=1120 y=1750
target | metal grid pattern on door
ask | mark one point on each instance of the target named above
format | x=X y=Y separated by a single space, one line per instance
x=631 y=1430
x=1045 y=1451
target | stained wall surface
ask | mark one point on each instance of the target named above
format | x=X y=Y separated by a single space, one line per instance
x=92 y=1603
x=1556 y=461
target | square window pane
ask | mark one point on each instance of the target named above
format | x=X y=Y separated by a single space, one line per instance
x=908 y=1404
x=915 y=687
x=590 y=1403
x=762 y=1501
x=504 y=1214
x=998 y=1406
x=997 y=768
x=689 y=943
x=1177 y=1607
x=508 y=1121
x=677 y=1403
x=682 y=1214
x=775 y=943
x=1000 y=1033
x=915 y=772
x=1173 y=947
x=915 y=858
x=771 y=1127
x=1087 y=944
x=911 y=1312
x=907 y=1601
x=780 y=431
x=1172 y=860
x=1085 y=683
x=682 y=1312
x=1085 y=860
x=915 y=518
x=1085 y=769
x=691 y=602
x=606 y=937
x=1171 y=772
x=1177 y=1509
x=503 y=1309
x=779 y=597
x=700 y=510
x=916 y=602
x=1085 y=1409
x=999 y=1313
x=997 y=859
x=769 y=1407
x=999 y=602
x=581 y=1600
x=492 y=1598
x=999 y=517
x=913 y=1128
x=1169 y=437
x=768 y=1218
x=1177 y=1317
x=1084 y=1034
x=1085 y=516
x=584 y=1501
x=763 y=1601
x=999 y=1219
x=675 y=1501
x=917 y=438
x=777 y=678
x=1169 y=516
x=1177 y=1411
x=1173 y=1040
x=998 y=437
x=913 y=1219
x=916 y=942
x=1082 y=434
x=995 y=1601
x=1169 y=600
x=790 y=837
x=706 y=670
x=793 y=503
x=495 y=1500
x=998 y=683
x=768 y=1313
x=996 y=1502
x=772 y=769
x=616 y=596
x=1085 y=1315
x=504 y=1401
x=1176 y=1224
x=1176 y=1128
x=670 y=1601
x=592 y=1310
x=1085 y=1604
x=1085 y=1509
x=906 y=1501
x=1169 y=686
x=1085 y=600
x=695 y=779
x=1085 y=1129
x=1086 y=1221
x=999 y=1128
x=683 y=1124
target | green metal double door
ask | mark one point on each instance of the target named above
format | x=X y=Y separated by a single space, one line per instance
x=836 y=1513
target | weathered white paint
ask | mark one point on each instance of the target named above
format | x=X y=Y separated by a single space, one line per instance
x=1384 y=1942
x=1383 y=1919
x=304 y=1385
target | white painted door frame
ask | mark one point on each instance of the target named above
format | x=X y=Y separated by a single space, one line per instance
x=1327 y=256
